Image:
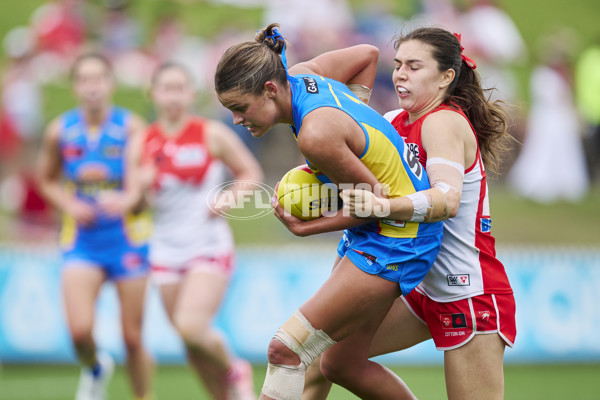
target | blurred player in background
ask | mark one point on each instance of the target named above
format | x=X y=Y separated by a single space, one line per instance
x=192 y=250
x=344 y=142
x=465 y=303
x=85 y=167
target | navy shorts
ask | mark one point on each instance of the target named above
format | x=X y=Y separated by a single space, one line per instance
x=119 y=261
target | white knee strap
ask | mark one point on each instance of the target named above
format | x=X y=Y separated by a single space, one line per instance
x=286 y=382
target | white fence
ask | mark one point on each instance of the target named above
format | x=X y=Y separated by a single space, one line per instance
x=556 y=289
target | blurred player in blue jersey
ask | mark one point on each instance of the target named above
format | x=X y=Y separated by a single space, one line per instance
x=83 y=173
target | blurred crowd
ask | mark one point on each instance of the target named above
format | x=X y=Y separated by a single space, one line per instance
x=556 y=118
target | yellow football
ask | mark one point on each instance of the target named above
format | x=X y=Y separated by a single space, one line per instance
x=304 y=196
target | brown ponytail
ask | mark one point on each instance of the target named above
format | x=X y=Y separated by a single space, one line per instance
x=247 y=66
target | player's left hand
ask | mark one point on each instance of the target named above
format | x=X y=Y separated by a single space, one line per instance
x=293 y=224
x=113 y=203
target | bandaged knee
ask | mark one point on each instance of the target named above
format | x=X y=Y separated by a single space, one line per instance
x=286 y=382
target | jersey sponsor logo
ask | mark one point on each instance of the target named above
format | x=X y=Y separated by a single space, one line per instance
x=92 y=172
x=486 y=225
x=189 y=155
x=370 y=258
x=132 y=261
x=484 y=316
x=392 y=267
x=311 y=85
x=72 y=152
x=453 y=321
x=394 y=223
x=113 y=151
x=459 y=280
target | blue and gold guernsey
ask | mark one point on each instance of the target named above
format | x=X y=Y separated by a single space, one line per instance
x=93 y=161
x=395 y=250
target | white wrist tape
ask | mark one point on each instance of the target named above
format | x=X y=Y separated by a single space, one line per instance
x=421 y=206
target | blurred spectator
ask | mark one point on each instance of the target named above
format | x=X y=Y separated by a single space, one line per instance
x=119 y=31
x=496 y=45
x=441 y=13
x=315 y=25
x=587 y=87
x=59 y=28
x=121 y=40
x=21 y=95
x=376 y=24
x=551 y=165
x=21 y=120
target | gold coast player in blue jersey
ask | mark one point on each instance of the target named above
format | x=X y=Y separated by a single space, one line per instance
x=347 y=143
x=83 y=170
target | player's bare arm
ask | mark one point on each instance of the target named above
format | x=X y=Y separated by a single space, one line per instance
x=450 y=144
x=332 y=143
x=49 y=177
x=131 y=197
x=225 y=145
x=351 y=65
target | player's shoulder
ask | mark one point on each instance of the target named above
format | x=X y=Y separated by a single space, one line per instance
x=450 y=121
x=391 y=115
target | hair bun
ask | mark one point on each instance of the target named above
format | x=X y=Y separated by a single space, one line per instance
x=271 y=37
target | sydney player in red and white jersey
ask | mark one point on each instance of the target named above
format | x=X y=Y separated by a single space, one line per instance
x=465 y=302
x=191 y=248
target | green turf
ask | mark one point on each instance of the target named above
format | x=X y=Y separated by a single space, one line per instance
x=523 y=382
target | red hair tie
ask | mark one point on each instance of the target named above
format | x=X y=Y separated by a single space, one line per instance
x=466 y=59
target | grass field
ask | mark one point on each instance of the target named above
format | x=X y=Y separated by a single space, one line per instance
x=523 y=382
x=516 y=221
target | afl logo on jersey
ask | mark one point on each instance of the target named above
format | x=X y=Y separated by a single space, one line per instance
x=311 y=85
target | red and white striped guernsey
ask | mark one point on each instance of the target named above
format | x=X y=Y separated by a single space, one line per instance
x=184 y=226
x=466 y=265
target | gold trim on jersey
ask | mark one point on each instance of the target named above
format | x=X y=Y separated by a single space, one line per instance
x=385 y=161
x=138 y=227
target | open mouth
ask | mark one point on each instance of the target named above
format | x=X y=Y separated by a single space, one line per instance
x=402 y=91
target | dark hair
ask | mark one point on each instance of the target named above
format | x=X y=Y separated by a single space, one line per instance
x=489 y=119
x=247 y=66
x=167 y=66
x=90 y=56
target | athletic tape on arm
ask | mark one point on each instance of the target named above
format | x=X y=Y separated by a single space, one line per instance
x=435 y=204
x=361 y=91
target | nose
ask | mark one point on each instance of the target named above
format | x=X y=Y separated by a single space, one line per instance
x=237 y=118
x=400 y=73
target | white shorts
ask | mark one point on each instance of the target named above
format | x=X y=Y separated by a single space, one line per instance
x=222 y=264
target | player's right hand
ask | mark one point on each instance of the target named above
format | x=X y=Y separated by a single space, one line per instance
x=364 y=204
x=83 y=213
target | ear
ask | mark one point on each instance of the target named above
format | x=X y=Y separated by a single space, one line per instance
x=271 y=89
x=447 y=78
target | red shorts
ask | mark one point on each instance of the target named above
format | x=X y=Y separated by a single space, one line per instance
x=222 y=265
x=454 y=323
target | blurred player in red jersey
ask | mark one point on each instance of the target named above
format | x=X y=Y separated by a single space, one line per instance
x=192 y=249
